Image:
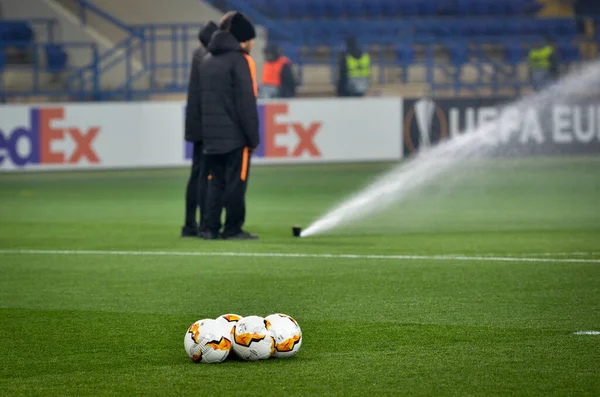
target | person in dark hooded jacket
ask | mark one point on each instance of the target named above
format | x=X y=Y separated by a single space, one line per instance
x=229 y=119
x=197 y=186
x=354 y=71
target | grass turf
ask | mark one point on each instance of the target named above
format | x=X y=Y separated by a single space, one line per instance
x=114 y=325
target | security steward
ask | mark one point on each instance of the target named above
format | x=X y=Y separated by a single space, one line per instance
x=278 y=79
x=354 y=74
x=543 y=64
x=229 y=119
x=197 y=186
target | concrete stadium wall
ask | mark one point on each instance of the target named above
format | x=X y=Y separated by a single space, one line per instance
x=69 y=30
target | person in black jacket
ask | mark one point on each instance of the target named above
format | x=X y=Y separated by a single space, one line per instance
x=197 y=186
x=229 y=119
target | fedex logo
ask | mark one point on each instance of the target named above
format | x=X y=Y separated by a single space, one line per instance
x=280 y=139
x=41 y=134
x=285 y=139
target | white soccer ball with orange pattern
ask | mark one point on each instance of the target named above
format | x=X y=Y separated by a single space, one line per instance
x=207 y=341
x=252 y=339
x=287 y=334
x=229 y=320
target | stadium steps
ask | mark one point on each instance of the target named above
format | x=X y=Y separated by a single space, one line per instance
x=22 y=80
x=555 y=9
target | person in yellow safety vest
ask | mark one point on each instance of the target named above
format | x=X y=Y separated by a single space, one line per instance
x=278 y=79
x=354 y=71
x=543 y=64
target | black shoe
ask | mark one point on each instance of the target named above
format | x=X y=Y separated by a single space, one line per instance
x=188 y=231
x=241 y=236
x=207 y=235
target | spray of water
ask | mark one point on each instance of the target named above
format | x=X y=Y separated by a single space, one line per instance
x=429 y=165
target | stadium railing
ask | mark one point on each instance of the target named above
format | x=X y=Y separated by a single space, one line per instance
x=45 y=74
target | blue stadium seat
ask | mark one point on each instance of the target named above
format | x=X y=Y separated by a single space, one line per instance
x=56 y=58
x=373 y=8
x=405 y=54
x=313 y=8
x=390 y=8
x=16 y=32
x=408 y=7
x=262 y=6
x=354 y=8
x=568 y=53
x=496 y=8
x=459 y=54
x=297 y=8
x=334 y=9
x=2 y=63
x=428 y=8
x=281 y=9
x=463 y=7
x=514 y=53
x=293 y=52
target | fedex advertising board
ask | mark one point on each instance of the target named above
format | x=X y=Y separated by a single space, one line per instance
x=89 y=136
x=150 y=134
x=327 y=130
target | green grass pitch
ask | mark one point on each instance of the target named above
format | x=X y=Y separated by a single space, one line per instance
x=100 y=324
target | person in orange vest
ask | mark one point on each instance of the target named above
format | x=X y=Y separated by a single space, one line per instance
x=278 y=79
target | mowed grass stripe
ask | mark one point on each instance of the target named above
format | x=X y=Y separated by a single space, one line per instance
x=299 y=255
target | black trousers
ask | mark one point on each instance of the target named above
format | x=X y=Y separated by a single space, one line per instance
x=197 y=190
x=228 y=183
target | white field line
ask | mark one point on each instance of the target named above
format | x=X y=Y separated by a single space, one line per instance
x=298 y=255
x=586 y=333
x=565 y=254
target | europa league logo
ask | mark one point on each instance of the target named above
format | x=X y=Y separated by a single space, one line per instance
x=424 y=112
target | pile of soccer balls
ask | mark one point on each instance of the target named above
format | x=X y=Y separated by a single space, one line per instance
x=250 y=338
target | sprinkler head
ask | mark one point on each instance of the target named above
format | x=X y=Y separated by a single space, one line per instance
x=296 y=231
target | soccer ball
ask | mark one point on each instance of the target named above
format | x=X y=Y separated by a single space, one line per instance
x=287 y=334
x=229 y=320
x=207 y=341
x=252 y=339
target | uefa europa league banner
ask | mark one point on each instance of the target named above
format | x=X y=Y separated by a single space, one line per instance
x=554 y=129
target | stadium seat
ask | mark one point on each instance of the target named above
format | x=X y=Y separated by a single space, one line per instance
x=373 y=8
x=409 y=8
x=293 y=52
x=334 y=9
x=405 y=54
x=280 y=9
x=262 y=6
x=463 y=7
x=514 y=53
x=354 y=8
x=568 y=53
x=390 y=8
x=313 y=8
x=17 y=32
x=297 y=9
x=459 y=54
x=56 y=58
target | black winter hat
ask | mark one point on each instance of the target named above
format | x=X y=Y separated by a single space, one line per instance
x=206 y=33
x=239 y=26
